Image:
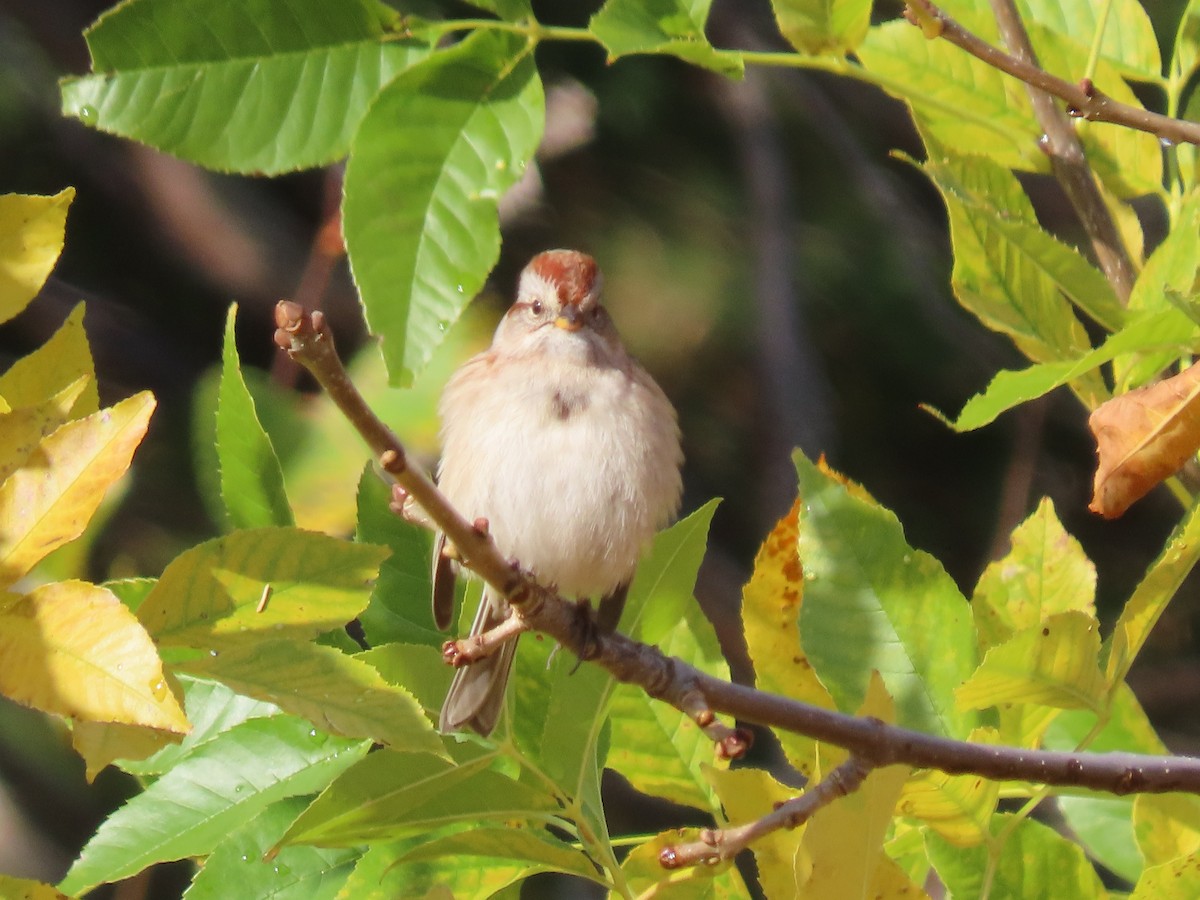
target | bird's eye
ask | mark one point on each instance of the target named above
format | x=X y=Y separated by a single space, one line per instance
x=536 y=307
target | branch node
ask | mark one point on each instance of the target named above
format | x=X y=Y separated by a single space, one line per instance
x=392 y=461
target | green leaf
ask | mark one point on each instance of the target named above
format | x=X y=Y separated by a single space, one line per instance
x=1008 y=279
x=263 y=86
x=1033 y=858
x=672 y=27
x=823 y=26
x=1051 y=664
x=389 y=795
x=251 y=480
x=873 y=603
x=1165 y=329
x=533 y=846
x=1170 y=271
x=1187 y=45
x=1102 y=825
x=212 y=596
x=237 y=867
x=380 y=875
x=434 y=154
x=655 y=746
x=419 y=668
x=1045 y=572
x=213 y=709
x=31 y=238
x=967 y=105
x=223 y=785
x=342 y=694
x=400 y=607
x=1128 y=41
x=1143 y=609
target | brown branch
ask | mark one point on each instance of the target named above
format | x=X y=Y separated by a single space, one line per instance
x=716 y=844
x=696 y=694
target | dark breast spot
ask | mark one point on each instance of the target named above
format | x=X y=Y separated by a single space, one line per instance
x=564 y=404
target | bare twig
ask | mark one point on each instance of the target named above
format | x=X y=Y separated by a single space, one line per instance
x=716 y=844
x=1084 y=100
x=696 y=694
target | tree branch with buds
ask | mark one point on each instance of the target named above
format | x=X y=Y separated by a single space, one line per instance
x=701 y=697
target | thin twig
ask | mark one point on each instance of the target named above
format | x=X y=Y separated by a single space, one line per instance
x=716 y=844
x=698 y=695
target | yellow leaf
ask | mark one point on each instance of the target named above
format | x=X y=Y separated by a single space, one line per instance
x=842 y=847
x=50 y=500
x=1167 y=826
x=59 y=362
x=22 y=429
x=31 y=238
x=1178 y=879
x=1143 y=437
x=1045 y=572
x=958 y=807
x=747 y=795
x=100 y=743
x=771 y=614
x=1054 y=663
x=73 y=649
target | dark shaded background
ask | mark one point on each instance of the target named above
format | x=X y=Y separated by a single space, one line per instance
x=780 y=271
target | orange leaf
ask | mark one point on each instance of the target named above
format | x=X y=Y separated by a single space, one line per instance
x=1143 y=437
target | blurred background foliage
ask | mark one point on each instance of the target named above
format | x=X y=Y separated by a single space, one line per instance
x=768 y=253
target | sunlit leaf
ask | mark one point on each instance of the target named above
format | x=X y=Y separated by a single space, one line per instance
x=770 y=617
x=674 y=27
x=655 y=746
x=389 y=795
x=21 y=430
x=52 y=368
x=224 y=784
x=1033 y=857
x=1128 y=41
x=251 y=480
x=1167 y=826
x=537 y=848
x=339 y=693
x=31 y=238
x=645 y=874
x=823 y=26
x=843 y=842
x=379 y=875
x=25 y=889
x=263 y=583
x=958 y=807
x=434 y=154
x=237 y=867
x=874 y=603
x=1166 y=329
x=1178 y=879
x=746 y=795
x=263 y=86
x=1053 y=664
x=965 y=103
x=72 y=648
x=50 y=500
x=1045 y=572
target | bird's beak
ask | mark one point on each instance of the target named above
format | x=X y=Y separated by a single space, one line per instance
x=569 y=319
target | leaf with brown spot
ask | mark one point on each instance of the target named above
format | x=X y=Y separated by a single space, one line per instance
x=1143 y=437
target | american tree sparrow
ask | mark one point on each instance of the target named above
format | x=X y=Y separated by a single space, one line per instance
x=567 y=447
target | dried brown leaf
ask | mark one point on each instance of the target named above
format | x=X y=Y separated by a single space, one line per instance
x=1143 y=437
